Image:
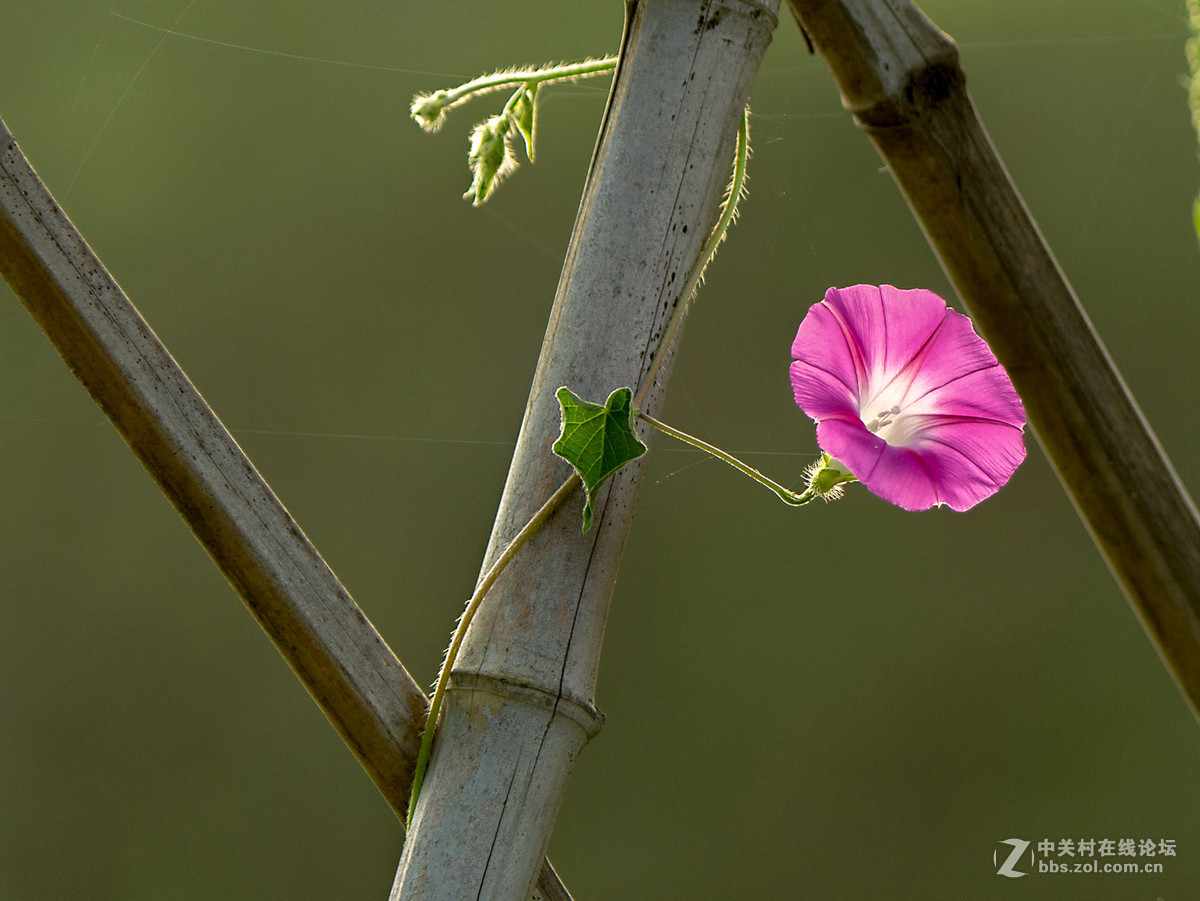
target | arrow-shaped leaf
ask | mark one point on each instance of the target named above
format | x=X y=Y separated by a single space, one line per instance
x=597 y=440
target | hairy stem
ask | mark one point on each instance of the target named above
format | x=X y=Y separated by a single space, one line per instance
x=429 y=109
x=481 y=590
x=788 y=497
x=735 y=192
x=498 y=81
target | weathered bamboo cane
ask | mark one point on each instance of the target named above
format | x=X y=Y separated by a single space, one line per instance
x=899 y=75
x=349 y=670
x=520 y=705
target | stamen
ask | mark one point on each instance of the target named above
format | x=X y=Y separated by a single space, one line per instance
x=883 y=418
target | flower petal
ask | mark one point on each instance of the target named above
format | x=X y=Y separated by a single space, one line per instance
x=956 y=372
x=859 y=337
x=820 y=395
x=968 y=462
x=890 y=326
x=828 y=369
x=982 y=394
x=974 y=459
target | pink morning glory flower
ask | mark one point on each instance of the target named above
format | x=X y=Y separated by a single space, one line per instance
x=907 y=397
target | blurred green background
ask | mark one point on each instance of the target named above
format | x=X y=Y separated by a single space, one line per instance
x=839 y=702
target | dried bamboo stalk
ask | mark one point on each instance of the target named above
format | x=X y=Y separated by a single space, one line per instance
x=520 y=706
x=346 y=666
x=900 y=77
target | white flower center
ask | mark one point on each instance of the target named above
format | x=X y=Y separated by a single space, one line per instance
x=887 y=414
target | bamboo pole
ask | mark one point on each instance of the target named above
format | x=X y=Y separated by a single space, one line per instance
x=900 y=77
x=365 y=692
x=520 y=706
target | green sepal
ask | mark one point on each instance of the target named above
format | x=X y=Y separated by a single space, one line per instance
x=597 y=440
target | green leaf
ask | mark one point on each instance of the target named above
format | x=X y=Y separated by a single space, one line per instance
x=597 y=440
x=491 y=157
x=525 y=116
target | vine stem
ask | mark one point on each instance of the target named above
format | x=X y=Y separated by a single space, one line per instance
x=468 y=614
x=498 y=81
x=735 y=192
x=737 y=187
x=429 y=109
x=788 y=497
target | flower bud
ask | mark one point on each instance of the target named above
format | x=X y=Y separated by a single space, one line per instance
x=429 y=110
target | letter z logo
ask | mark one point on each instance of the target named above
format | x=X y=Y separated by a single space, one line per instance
x=1018 y=848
